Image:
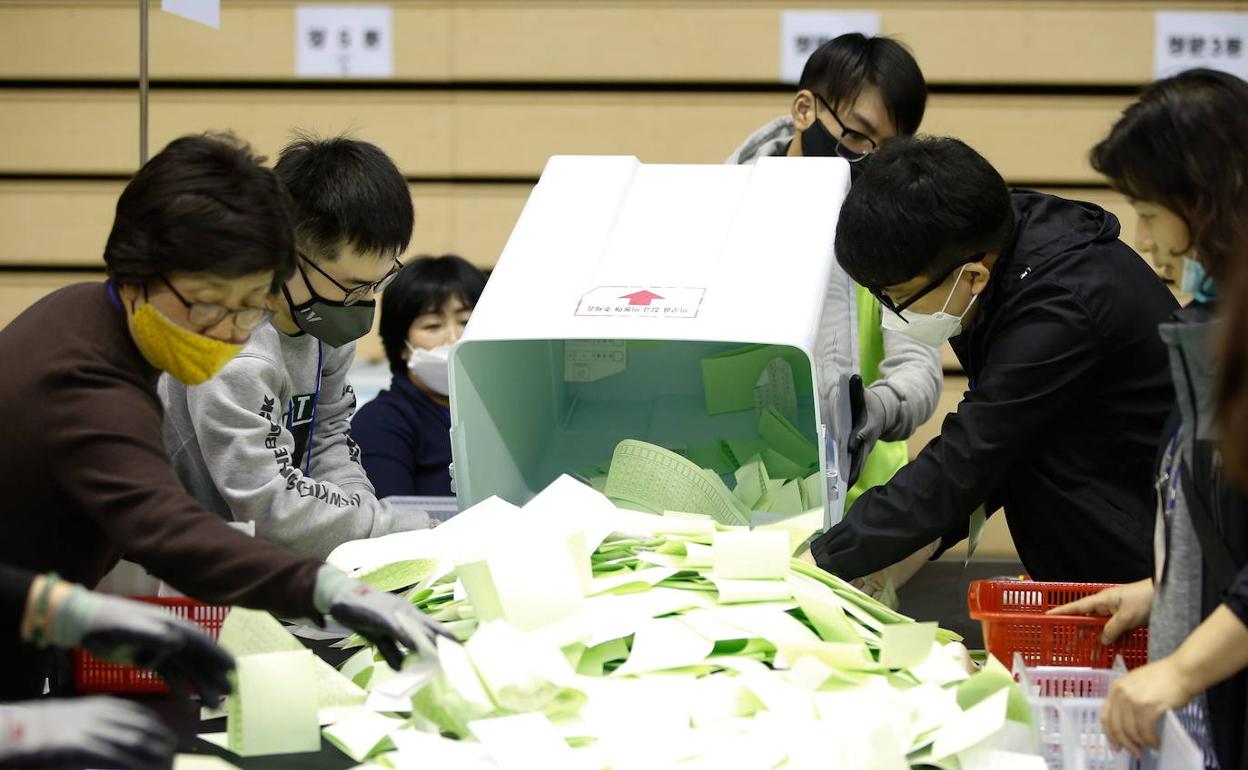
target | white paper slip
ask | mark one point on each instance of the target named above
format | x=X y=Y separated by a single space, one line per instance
x=903 y=645
x=972 y=726
x=523 y=742
x=665 y=643
x=992 y=759
x=761 y=554
x=361 y=735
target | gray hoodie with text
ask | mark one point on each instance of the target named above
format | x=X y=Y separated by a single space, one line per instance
x=268 y=440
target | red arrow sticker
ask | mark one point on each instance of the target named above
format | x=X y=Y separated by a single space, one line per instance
x=643 y=297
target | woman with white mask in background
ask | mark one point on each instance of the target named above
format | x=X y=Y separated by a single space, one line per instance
x=404 y=434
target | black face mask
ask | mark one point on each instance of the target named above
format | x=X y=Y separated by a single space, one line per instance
x=818 y=142
x=331 y=322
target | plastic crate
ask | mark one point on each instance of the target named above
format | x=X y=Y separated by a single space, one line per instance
x=1066 y=704
x=92 y=675
x=1012 y=615
x=1066 y=700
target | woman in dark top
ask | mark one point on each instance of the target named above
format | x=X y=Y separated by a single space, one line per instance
x=201 y=238
x=404 y=434
x=1178 y=155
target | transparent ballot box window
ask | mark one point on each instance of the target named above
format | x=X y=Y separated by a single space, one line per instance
x=535 y=409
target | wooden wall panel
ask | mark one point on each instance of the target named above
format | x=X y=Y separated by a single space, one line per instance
x=99 y=40
x=979 y=41
x=1037 y=139
x=66 y=223
x=19 y=291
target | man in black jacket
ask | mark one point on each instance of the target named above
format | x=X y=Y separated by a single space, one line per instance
x=1055 y=322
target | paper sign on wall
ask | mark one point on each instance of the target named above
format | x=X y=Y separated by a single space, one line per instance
x=352 y=41
x=203 y=11
x=801 y=32
x=1182 y=41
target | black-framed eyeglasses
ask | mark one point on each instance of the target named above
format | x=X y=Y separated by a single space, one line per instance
x=205 y=315
x=852 y=145
x=354 y=294
x=887 y=302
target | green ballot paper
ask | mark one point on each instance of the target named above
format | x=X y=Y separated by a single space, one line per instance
x=656 y=480
x=729 y=378
x=273 y=709
x=784 y=437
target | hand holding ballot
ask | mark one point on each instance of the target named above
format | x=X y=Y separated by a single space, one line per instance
x=384 y=619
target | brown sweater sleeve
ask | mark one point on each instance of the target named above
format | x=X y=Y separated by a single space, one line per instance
x=111 y=461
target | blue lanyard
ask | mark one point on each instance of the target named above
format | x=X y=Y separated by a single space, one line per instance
x=316 y=406
x=112 y=294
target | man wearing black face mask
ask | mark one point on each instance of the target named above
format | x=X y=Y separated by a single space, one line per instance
x=856 y=92
x=268 y=439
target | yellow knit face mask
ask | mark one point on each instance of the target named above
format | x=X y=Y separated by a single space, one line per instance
x=189 y=357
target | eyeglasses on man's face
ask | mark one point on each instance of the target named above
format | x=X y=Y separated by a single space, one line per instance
x=354 y=294
x=852 y=145
x=887 y=301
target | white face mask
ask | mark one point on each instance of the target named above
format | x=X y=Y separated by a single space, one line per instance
x=931 y=329
x=431 y=367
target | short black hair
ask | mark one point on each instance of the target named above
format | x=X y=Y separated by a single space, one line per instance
x=204 y=204
x=839 y=69
x=923 y=205
x=1182 y=146
x=346 y=192
x=424 y=285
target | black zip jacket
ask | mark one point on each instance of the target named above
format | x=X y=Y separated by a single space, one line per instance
x=1069 y=390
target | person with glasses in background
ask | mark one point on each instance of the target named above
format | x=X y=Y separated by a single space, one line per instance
x=201 y=238
x=1055 y=321
x=268 y=440
x=856 y=92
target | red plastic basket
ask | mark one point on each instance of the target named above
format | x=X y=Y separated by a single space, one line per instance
x=92 y=675
x=1012 y=615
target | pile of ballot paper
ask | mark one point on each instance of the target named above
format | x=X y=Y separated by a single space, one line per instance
x=592 y=636
x=775 y=468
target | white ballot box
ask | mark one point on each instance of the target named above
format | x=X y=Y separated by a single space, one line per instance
x=652 y=302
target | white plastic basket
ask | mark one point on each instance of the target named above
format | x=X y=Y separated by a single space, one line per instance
x=1061 y=700
x=1066 y=703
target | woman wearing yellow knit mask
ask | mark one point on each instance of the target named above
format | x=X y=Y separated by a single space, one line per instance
x=201 y=239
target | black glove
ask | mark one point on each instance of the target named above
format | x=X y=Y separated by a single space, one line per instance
x=84 y=732
x=384 y=619
x=125 y=631
x=858 y=416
